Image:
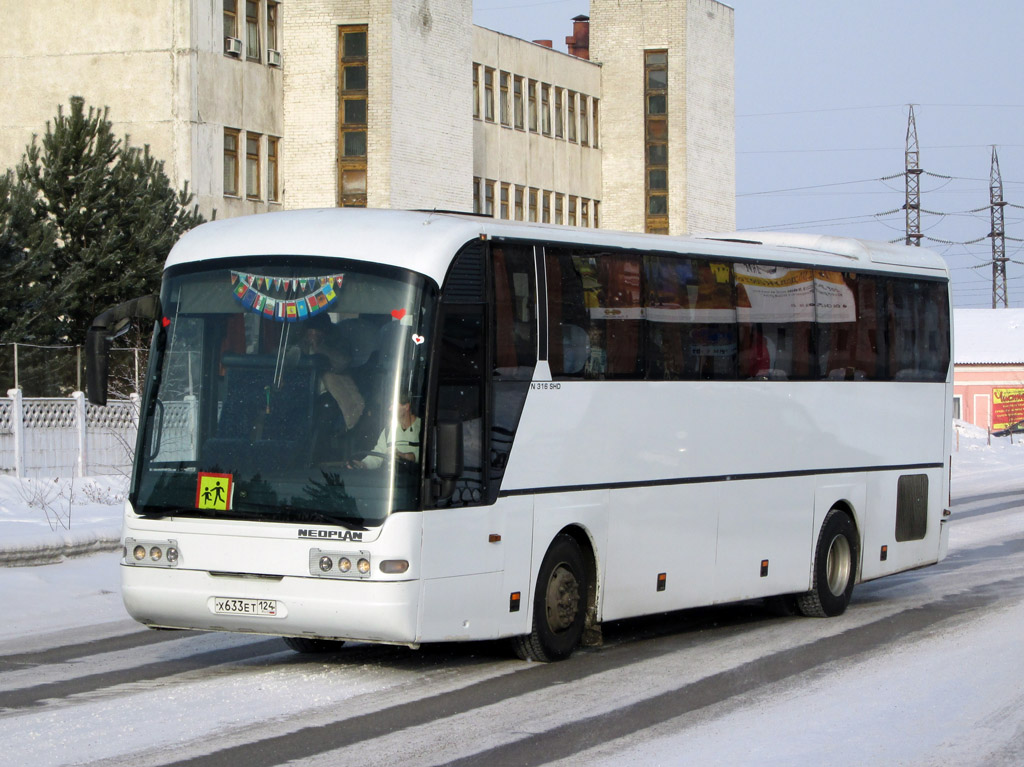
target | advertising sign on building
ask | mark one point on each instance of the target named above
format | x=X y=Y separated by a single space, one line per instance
x=1007 y=407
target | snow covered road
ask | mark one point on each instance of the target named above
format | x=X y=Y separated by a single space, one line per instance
x=925 y=668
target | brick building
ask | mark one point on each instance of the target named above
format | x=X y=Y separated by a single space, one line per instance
x=262 y=104
x=988 y=366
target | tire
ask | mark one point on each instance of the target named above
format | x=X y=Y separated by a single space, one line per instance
x=835 y=568
x=559 y=604
x=313 y=646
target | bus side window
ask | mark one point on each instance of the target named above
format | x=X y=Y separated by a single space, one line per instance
x=919 y=338
x=595 y=315
x=568 y=341
x=776 y=322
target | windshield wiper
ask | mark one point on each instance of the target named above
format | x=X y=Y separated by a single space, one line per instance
x=300 y=514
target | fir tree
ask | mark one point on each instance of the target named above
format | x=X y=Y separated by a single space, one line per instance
x=85 y=223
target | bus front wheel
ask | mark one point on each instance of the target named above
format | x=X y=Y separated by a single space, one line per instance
x=835 y=568
x=559 y=604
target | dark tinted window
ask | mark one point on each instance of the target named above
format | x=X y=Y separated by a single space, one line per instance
x=595 y=321
x=690 y=318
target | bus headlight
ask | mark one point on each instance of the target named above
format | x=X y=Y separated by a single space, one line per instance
x=338 y=564
x=151 y=553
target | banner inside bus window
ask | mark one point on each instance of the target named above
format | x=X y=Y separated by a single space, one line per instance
x=1007 y=407
x=777 y=294
x=285 y=299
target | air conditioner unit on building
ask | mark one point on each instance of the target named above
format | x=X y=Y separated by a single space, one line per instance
x=273 y=57
x=233 y=46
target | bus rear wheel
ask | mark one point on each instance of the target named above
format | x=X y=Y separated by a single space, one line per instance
x=313 y=646
x=835 y=568
x=559 y=604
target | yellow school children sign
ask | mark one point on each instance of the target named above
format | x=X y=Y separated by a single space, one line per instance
x=214 y=492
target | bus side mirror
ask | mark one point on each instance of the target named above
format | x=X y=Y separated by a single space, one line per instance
x=110 y=324
x=449 y=455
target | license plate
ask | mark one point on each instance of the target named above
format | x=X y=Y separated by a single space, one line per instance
x=233 y=606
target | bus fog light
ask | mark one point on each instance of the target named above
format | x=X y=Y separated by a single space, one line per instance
x=156 y=554
x=139 y=552
x=326 y=564
x=394 y=566
x=172 y=555
x=363 y=565
x=344 y=564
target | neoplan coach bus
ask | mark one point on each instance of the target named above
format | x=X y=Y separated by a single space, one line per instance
x=410 y=427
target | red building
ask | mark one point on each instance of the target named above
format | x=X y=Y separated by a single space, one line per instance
x=988 y=366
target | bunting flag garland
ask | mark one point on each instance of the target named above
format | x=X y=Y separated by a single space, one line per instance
x=285 y=299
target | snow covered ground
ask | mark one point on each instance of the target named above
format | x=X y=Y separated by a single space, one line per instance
x=953 y=695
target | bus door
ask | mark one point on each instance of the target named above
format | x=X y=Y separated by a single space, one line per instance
x=477 y=546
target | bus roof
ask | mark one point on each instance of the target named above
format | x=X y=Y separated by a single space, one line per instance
x=425 y=242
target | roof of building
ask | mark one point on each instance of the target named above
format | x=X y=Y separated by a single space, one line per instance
x=988 y=336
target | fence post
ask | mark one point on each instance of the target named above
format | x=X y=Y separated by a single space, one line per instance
x=18 y=426
x=79 y=399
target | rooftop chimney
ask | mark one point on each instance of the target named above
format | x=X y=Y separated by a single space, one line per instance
x=579 y=42
x=545 y=43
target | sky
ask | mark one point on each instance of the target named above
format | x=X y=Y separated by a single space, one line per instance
x=822 y=95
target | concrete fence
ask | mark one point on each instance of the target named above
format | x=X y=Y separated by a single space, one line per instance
x=66 y=436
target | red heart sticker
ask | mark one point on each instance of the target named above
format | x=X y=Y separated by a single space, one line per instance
x=398 y=313
x=165 y=322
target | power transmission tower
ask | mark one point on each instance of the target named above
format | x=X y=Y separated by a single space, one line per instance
x=998 y=234
x=912 y=173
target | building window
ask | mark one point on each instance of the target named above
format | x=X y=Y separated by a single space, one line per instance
x=476 y=91
x=534 y=193
x=230 y=23
x=545 y=207
x=597 y=206
x=252 y=166
x=519 y=203
x=570 y=113
x=584 y=212
x=584 y=122
x=231 y=139
x=272 y=10
x=572 y=210
x=273 y=177
x=352 y=120
x=559 y=219
x=488 y=94
x=503 y=111
x=656 y=140
x=503 y=210
x=517 y=90
x=593 y=139
x=531 y=92
x=545 y=109
x=559 y=120
x=252 y=30
x=489 y=198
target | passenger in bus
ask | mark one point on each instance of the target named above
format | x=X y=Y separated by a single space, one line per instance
x=321 y=339
x=404 y=442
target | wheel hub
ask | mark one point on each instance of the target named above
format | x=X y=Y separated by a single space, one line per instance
x=838 y=565
x=563 y=598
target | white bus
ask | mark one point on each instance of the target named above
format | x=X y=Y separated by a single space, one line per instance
x=409 y=427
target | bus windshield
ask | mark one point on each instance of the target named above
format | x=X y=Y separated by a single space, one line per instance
x=286 y=389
